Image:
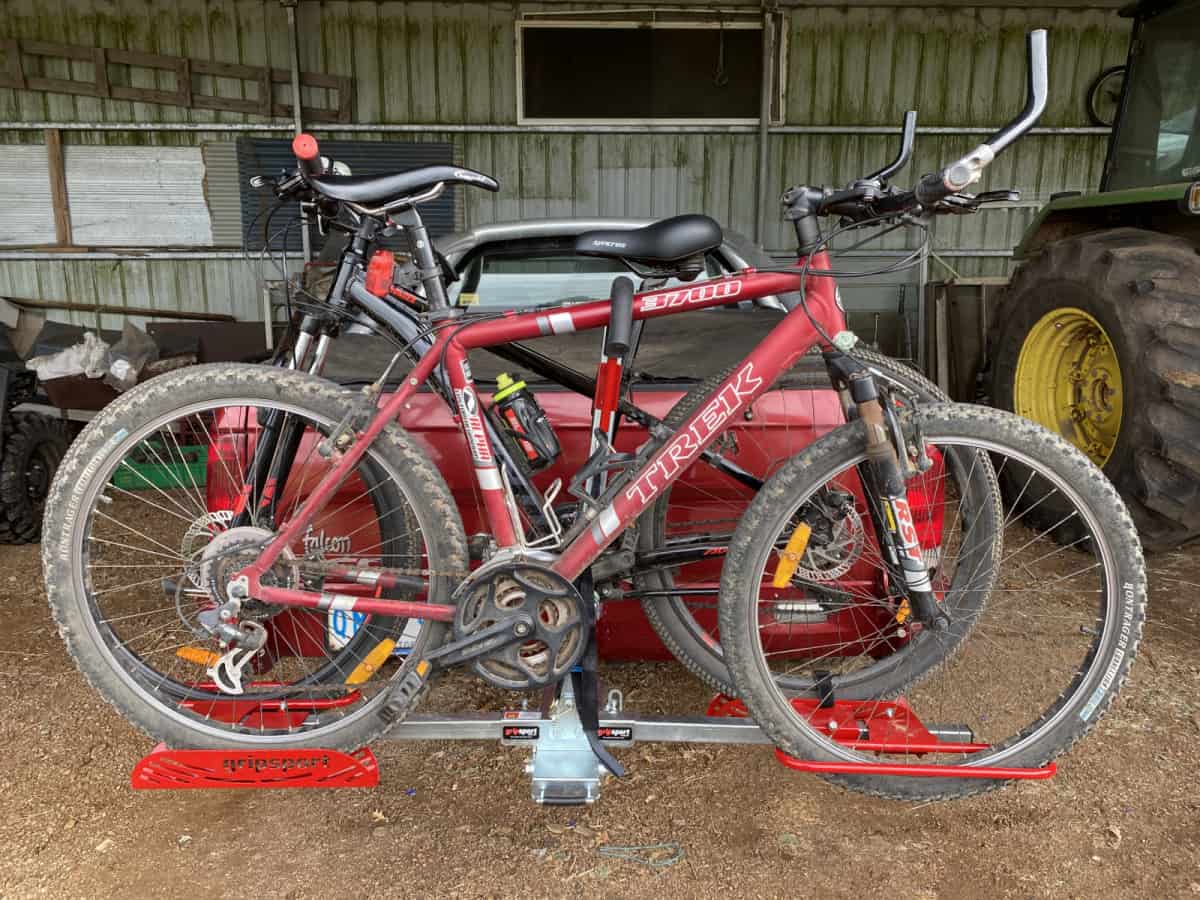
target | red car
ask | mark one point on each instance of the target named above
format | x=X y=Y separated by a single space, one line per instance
x=531 y=263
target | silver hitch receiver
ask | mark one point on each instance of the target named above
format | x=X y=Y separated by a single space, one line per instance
x=563 y=769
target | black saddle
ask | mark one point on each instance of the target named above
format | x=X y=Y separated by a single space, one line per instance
x=373 y=189
x=665 y=241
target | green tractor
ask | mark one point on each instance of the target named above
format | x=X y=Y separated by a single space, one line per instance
x=1098 y=335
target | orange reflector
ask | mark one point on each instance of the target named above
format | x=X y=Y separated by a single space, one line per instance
x=371 y=663
x=789 y=558
x=199 y=656
x=423 y=668
x=903 y=612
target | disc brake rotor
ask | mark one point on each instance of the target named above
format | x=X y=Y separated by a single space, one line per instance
x=834 y=557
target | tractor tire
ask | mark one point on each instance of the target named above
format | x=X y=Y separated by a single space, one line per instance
x=1139 y=291
x=34 y=445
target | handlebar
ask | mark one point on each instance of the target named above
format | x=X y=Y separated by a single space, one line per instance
x=871 y=197
x=308 y=156
x=964 y=172
x=908 y=134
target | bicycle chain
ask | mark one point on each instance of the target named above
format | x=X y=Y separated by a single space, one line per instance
x=315 y=568
x=320 y=569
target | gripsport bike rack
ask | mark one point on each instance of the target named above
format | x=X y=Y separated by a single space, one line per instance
x=563 y=769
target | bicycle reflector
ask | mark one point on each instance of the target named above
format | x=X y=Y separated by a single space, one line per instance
x=789 y=558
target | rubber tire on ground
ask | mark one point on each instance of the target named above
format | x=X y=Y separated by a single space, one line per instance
x=1144 y=289
x=782 y=493
x=422 y=483
x=677 y=632
x=29 y=439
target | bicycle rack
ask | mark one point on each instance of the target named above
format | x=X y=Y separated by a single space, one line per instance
x=563 y=769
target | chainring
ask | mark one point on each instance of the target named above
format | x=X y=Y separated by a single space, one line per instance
x=559 y=637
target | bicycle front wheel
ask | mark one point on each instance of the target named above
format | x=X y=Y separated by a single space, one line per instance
x=679 y=591
x=1032 y=658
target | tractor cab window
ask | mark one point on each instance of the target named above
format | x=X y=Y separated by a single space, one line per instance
x=1158 y=137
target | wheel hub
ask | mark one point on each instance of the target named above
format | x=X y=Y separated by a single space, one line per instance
x=232 y=550
x=1068 y=379
x=833 y=555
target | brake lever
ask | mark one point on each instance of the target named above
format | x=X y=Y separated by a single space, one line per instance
x=957 y=204
x=963 y=204
x=1004 y=196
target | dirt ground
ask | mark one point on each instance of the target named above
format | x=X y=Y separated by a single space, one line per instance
x=1122 y=818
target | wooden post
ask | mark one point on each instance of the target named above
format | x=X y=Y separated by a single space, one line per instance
x=58 y=188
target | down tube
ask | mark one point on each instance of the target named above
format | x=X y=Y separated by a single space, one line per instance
x=786 y=343
x=487 y=473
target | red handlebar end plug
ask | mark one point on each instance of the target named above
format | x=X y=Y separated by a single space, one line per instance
x=304 y=146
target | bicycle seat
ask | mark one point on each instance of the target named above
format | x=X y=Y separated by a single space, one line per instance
x=373 y=189
x=667 y=240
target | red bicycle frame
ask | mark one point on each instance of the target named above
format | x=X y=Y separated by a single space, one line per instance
x=794 y=336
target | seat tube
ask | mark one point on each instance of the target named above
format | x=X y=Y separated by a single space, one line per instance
x=487 y=473
x=428 y=267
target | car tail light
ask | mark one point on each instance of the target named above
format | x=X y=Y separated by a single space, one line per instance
x=223 y=478
x=227 y=457
x=927 y=500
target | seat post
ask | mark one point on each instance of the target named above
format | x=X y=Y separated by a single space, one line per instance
x=428 y=267
x=617 y=346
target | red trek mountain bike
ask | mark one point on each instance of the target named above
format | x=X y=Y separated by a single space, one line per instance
x=831 y=586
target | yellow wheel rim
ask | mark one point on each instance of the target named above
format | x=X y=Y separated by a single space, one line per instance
x=1068 y=380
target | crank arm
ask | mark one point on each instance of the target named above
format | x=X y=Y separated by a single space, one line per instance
x=403 y=694
x=494 y=637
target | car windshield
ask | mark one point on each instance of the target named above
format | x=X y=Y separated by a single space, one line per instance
x=1158 y=137
x=508 y=280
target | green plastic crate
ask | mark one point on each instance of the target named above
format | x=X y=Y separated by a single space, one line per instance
x=149 y=473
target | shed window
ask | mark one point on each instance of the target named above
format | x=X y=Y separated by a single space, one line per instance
x=641 y=72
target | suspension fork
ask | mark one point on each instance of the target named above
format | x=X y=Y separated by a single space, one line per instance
x=883 y=480
x=279 y=436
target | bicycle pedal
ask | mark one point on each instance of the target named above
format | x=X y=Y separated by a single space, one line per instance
x=402 y=696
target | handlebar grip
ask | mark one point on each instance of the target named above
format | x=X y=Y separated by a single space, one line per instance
x=308 y=156
x=932 y=188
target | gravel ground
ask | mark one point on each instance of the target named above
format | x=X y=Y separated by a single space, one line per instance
x=1122 y=818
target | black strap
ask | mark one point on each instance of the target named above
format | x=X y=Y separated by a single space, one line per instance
x=586 y=683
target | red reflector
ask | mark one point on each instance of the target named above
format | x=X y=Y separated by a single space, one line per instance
x=304 y=146
x=379 y=273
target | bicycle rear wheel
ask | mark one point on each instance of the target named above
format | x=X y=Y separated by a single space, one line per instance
x=1038 y=656
x=145 y=541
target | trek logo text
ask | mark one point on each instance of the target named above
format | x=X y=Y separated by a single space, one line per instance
x=685 y=446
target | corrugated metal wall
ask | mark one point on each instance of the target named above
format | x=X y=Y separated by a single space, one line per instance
x=454 y=64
